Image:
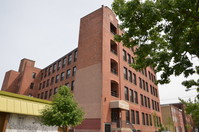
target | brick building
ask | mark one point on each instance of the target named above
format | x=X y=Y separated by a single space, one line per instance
x=175 y=118
x=114 y=96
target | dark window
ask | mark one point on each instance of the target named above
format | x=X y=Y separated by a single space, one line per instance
x=147 y=119
x=114 y=115
x=145 y=101
x=46 y=95
x=68 y=73
x=151 y=89
x=134 y=79
x=141 y=100
x=57 y=78
x=44 y=83
x=127 y=117
x=33 y=75
x=130 y=76
x=40 y=86
x=125 y=73
x=150 y=120
x=140 y=82
x=147 y=87
x=149 y=104
x=129 y=58
x=42 y=94
x=42 y=76
x=143 y=84
x=31 y=85
x=137 y=118
x=145 y=72
x=113 y=29
x=50 y=70
x=153 y=104
x=124 y=55
x=54 y=67
x=114 y=89
x=113 y=47
x=72 y=85
x=136 y=97
x=55 y=90
x=52 y=80
x=126 y=93
x=74 y=70
x=133 y=116
x=69 y=59
x=47 y=83
x=50 y=93
x=149 y=75
x=64 y=62
x=59 y=65
x=131 y=95
x=62 y=76
x=143 y=119
x=75 y=55
x=114 y=67
x=45 y=73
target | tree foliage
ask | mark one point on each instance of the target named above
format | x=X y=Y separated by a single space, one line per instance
x=166 y=33
x=192 y=108
x=63 y=112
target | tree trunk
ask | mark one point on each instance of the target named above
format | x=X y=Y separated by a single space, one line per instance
x=65 y=128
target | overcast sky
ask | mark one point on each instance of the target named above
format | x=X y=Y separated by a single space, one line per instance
x=45 y=30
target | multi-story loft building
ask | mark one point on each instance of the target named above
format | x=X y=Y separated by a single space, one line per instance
x=175 y=118
x=115 y=96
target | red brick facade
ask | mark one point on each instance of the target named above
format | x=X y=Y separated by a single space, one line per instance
x=111 y=92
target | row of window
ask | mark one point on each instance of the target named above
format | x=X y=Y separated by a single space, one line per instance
x=132 y=116
x=48 y=94
x=143 y=84
x=57 y=78
x=154 y=91
x=57 y=65
x=151 y=77
x=133 y=95
x=145 y=101
x=131 y=77
x=155 y=105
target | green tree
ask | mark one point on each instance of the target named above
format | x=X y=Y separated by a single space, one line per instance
x=192 y=108
x=63 y=112
x=166 y=33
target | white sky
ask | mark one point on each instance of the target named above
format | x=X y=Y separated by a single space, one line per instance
x=45 y=30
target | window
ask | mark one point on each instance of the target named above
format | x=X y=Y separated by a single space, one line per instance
x=31 y=85
x=45 y=73
x=130 y=76
x=149 y=104
x=114 y=67
x=113 y=47
x=141 y=100
x=126 y=93
x=145 y=101
x=44 y=83
x=134 y=79
x=50 y=70
x=64 y=62
x=69 y=59
x=143 y=119
x=151 y=89
x=131 y=95
x=59 y=65
x=125 y=73
x=149 y=75
x=42 y=76
x=140 y=82
x=127 y=116
x=55 y=90
x=137 y=118
x=133 y=116
x=75 y=55
x=46 y=95
x=147 y=87
x=113 y=29
x=114 y=89
x=143 y=84
x=153 y=104
x=67 y=84
x=54 y=67
x=57 y=78
x=136 y=97
x=62 y=76
x=132 y=60
x=72 y=85
x=150 y=120
x=145 y=72
x=47 y=83
x=50 y=93
x=52 y=80
x=147 y=119
x=33 y=75
x=114 y=115
x=124 y=55
x=129 y=58
x=42 y=94
x=74 y=70
x=40 y=85
x=68 y=73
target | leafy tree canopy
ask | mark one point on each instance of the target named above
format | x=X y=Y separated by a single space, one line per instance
x=166 y=33
x=63 y=111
